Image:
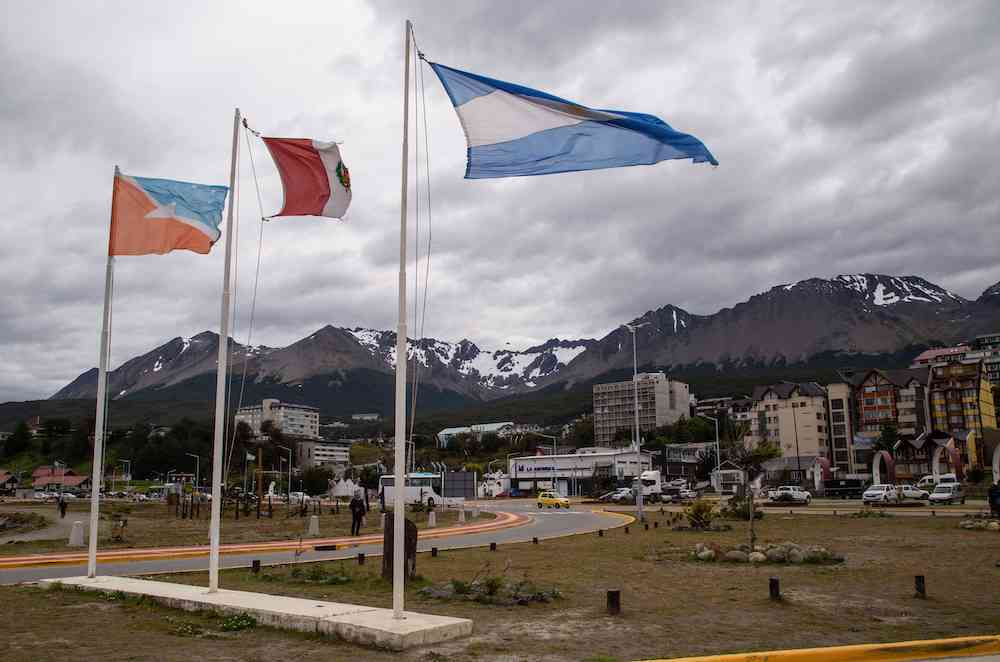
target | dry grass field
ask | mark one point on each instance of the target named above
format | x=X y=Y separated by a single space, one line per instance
x=672 y=606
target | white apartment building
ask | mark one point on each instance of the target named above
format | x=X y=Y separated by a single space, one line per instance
x=662 y=401
x=293 y=420
x=324 y=452
x=794 y=416
x=575 y=473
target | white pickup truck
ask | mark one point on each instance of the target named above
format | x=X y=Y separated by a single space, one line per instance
x=789 y=494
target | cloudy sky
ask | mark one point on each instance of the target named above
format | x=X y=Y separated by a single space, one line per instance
x=853 y=137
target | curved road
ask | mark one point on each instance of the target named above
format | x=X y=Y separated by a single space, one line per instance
x=531 y=523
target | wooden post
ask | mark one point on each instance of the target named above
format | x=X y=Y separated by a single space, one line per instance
x=626 y=530
x=600 y=533
x=434 y=552
x=361 y=559
x=534 y=540
x=255 y=566
x=656 y=525
x=774 y=588
x=614 y=602
x=493 y=547
x=920 y=586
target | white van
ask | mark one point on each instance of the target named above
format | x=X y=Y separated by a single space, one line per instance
x=928 y=482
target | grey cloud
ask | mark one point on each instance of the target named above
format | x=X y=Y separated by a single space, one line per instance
x=852 y=138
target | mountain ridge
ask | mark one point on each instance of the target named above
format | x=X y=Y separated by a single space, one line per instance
x=852 y=314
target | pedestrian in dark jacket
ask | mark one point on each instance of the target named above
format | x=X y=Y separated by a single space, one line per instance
x=357 y=507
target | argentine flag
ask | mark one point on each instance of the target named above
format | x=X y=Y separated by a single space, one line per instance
x=515 y=131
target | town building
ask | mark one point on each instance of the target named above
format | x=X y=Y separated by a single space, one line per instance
x=8 y=481
x=577 y=473
x=793 y=416
x=681 y=460
x=840 y=402
x=503 y=430
x=366 y=418
x=961 y=402
x=938 y=354
x=300 y=421
x=987 y=348
x=323 y=453
x=662 y=401
x=53 y=479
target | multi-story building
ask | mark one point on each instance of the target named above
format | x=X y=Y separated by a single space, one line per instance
x=961 y=402
x=987 y=348
x=864 y=402
x=577 y=473
x=841 y=404
x=794 y=416
x=889 y=396
x=662 y=401
x=299 y=421
x=324 y=452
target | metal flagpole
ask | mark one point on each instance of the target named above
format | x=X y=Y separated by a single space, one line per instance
x=398 y=505
x=220 y=382
x=102 y=394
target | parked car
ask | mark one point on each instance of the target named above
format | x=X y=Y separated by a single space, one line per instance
x=688 y=495
x=552 y=500
x=881 y=494
x=790 y=493
x=610 y=496
x=947 y=493
x=911 y=492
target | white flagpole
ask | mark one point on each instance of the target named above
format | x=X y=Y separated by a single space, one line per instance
x=398 y=481
x=220 y=383
x=102 y=395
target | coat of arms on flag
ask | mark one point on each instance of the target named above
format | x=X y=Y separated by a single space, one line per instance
x=314 y=178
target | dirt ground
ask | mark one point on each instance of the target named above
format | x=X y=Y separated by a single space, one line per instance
x=671 y=606
x=155 y=525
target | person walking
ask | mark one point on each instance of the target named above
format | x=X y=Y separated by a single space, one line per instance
x=62 y=507
x=357 y=507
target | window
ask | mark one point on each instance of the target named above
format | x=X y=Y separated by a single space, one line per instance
x=819 y=416
x=837 y=403
x=838 y=417
x=839 y=429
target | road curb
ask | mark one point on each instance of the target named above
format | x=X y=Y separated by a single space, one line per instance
x=898 y=651
x=504 y=520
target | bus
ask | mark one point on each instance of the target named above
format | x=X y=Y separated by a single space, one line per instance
x=421 y=487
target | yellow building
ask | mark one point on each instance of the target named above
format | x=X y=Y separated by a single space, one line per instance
x=961 y=403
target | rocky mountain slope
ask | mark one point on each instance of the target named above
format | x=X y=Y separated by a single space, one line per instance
x=850 y=314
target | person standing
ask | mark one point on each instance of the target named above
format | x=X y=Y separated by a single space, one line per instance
x=357 y=507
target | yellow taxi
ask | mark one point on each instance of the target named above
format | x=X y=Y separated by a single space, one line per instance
x=552 y=500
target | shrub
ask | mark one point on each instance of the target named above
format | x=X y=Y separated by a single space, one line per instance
x=700 y=514
x=976 y=475
x=460 y=587
x=237 y=622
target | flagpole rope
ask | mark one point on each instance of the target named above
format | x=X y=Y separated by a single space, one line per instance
x=422 y=96
x=235 y=201
x=256 y=281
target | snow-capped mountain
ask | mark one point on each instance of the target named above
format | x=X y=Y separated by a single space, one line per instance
x=851 y=314
x=462 y=366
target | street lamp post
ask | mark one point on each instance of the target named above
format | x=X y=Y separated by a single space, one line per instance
x=128 y=474
x=197 y=470
x=286 y=448
x=718 y=453
x=554 y=440
x=636 y=443
x=59 y=464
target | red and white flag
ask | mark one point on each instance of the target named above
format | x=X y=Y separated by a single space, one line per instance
x=315 y=180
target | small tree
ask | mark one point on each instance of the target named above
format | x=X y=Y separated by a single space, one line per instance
x=316 y=480
x=887 y=439
x=19 y=441
x=752 y=460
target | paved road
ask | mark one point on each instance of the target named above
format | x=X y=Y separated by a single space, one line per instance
x=542 y=524
x=840 y=507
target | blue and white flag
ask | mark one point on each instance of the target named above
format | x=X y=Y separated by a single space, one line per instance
x=515 y=131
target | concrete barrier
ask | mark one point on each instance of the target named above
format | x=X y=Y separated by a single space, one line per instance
x=313 y=526
x=76 y=535
x=431 y=519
